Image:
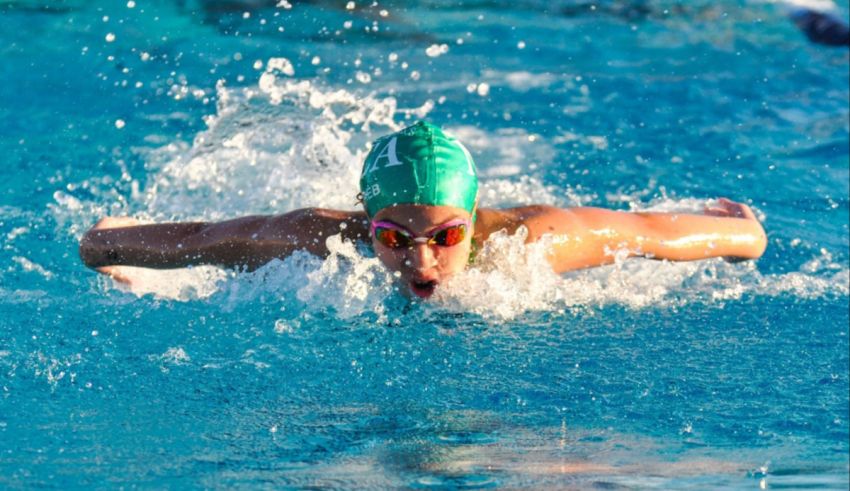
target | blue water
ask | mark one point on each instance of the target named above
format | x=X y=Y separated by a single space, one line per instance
x=312 y=373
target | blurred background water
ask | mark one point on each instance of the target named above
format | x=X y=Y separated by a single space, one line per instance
x=315 y=372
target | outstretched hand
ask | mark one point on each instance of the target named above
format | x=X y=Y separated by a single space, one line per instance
x=117 y=273
x=115 y=222
x=731 y=209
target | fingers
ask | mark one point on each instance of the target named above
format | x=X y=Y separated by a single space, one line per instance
x=115 y=222
x=116 y=274
x=728 y=208
x=746 y=212
x=739 y=210
x=722 y=209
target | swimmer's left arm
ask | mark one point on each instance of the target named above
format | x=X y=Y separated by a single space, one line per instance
x=587 y=237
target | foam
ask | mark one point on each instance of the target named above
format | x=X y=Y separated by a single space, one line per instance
x=53 y=370
x=194 y=283
x=514 y=277
x=29 y=266
x=173 y=357
x=285 y=144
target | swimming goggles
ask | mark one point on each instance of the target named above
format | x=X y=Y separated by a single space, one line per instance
x=395 y=236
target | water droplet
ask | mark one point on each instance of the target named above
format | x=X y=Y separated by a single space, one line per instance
x=436 y=50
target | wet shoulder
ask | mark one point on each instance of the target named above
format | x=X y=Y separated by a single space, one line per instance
x=538 y=219
x=353 y=225
x=309 y=223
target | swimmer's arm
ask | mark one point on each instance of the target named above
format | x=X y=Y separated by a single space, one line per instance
x=246 y=242
x=587 y=237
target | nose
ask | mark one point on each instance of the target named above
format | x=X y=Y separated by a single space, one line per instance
x=421 y=257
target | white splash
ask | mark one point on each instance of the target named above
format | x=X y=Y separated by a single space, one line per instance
x=512 y=278
x=347 y=281
x=174 y=356
x=286 y=144
x=29 y=266
x=174 y=284
x=436 y=50
x=54 y=370
x=508 y=278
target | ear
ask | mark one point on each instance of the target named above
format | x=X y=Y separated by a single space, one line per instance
x=362 y=202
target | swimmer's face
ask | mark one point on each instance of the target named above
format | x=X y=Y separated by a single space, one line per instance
x=422 y=267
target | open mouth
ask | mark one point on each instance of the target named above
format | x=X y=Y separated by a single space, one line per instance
x=423 y=288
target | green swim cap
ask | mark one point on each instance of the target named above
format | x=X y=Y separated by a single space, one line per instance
x=418 y=165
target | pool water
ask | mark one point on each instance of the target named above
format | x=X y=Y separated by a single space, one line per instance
x=316 y=372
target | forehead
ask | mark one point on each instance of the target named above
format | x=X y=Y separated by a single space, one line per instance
x=420 y=217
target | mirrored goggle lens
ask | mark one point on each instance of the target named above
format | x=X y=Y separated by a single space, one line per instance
x=450 y=236
x=392 y=238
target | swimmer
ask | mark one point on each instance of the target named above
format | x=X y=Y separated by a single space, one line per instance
x=419 y=191
x=819 y=21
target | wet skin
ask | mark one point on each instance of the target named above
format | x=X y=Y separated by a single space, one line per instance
x=423 y=267
x=582 y=238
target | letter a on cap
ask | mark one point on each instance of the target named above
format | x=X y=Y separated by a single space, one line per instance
x=388 y=153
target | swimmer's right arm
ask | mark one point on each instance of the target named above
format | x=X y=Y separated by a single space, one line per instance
x=247 y=242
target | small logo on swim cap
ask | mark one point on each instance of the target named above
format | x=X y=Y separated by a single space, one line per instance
x=371 y=191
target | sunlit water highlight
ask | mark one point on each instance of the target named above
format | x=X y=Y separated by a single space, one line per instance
x=316 y=372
